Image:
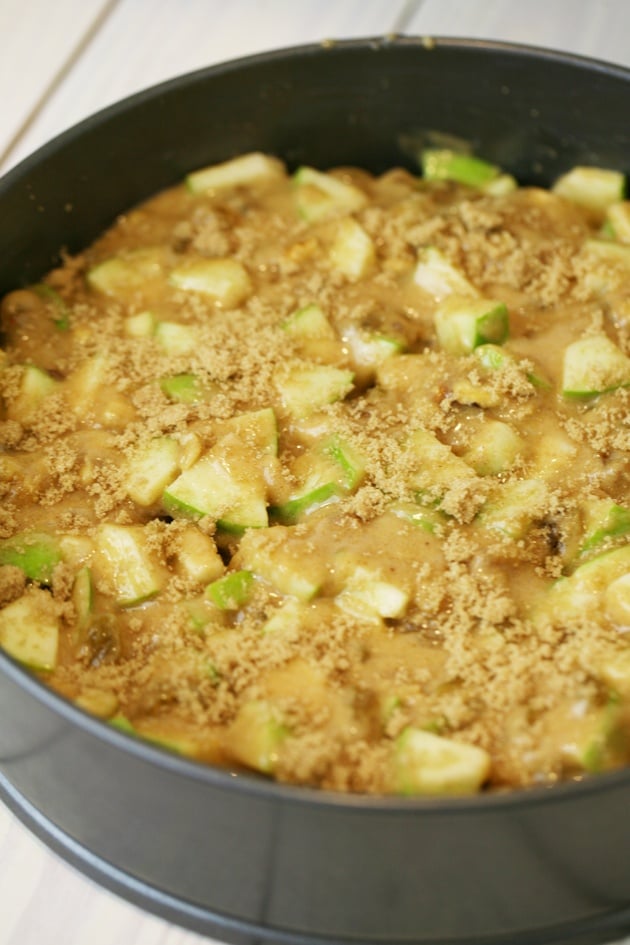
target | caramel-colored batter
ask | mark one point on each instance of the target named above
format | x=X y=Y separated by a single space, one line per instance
x=427 y=621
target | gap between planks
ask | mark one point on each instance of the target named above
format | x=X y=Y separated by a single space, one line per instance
x=62 y=72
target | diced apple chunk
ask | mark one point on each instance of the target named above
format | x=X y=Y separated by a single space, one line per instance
x=287 y=619
x=175 y=338
x=587 y=588
x=310 y=321
x=320 y=195
x=615 y=672
x=493 y=448
x=314 y=336
x=426 y=517
x=603 y=519
x=122 y=275
x=35 y=386
x=224 y=484
x=554 y=454
x=252 y=168
x=347 y=462
x=82 y=599
x=257 y=429
x=151 y=469
x=306 y=388
x=608 y=265
x=595 y=739
x=352 y=251
x=255 y=736
x=196 y=557
x=514 y=507
x=433 y=461
x=493 y=357
x=186 y=388
x=89 y=391
x=76 y=550
x=226 y=281
x=439 y=277
x=232 y=590
x=594 y=365
x=458 y=166
x=330 y=469
x=369 y=349
x=367 y=595
x=463 y=324
x=141 y=325
x=501 y=185
x=124 y=565
x=618 y=218
x=270 y=556
x=100 y=702
x=29 y=630
x=617 y=601
x=594 y=188
x=425 y=763
x=310 y=498
x=36 y=553
x=599 y=250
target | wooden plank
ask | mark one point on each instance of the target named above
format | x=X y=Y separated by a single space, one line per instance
x=37 y=49
x=591 y=29
x=144 y=43
x=45 y=902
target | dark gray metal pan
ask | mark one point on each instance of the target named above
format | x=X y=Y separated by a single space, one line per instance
x=234 y=856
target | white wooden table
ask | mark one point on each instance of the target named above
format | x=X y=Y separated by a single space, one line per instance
x=62 y=60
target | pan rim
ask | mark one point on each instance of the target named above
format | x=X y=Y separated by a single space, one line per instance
x=263 y=788
x=428 y=44
x=250 y=783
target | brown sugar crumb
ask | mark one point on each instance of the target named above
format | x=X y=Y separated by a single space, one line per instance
x=8 y=520
x=605 y=427
x=12 y=583
x=284 y=523
x=11 y=433
x=464 y=498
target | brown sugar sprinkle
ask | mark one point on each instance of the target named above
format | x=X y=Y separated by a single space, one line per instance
x=319 y=476
x=12 y=583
